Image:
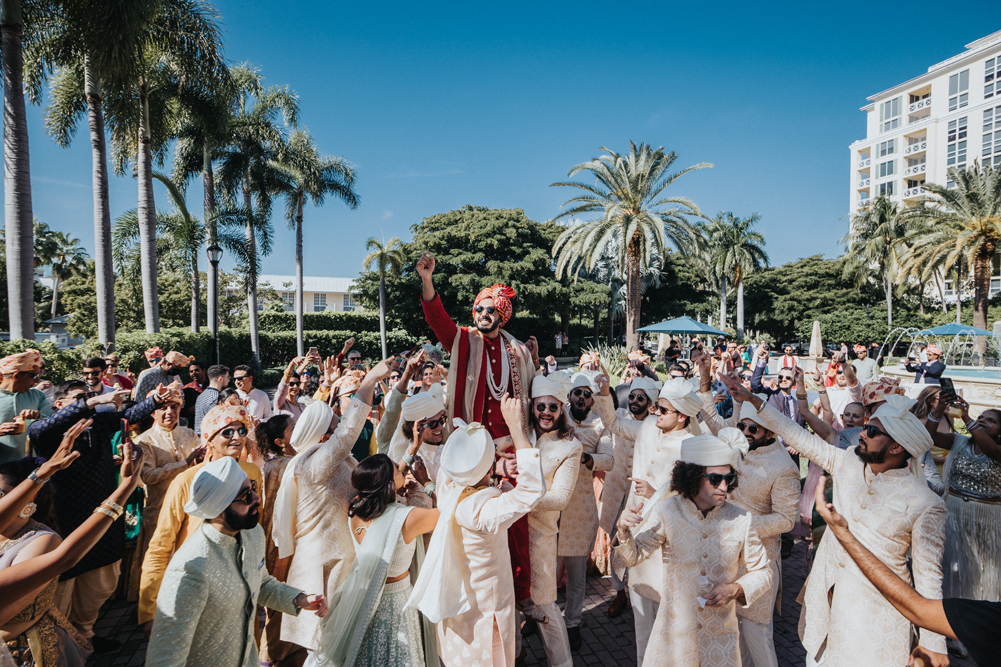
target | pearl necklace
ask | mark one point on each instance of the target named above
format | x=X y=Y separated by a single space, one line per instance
x=499 y=389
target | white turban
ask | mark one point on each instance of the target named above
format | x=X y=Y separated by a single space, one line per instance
x=313 y=424
x=905 y=429
x=585 y=379
x=423 y=405
x=468 y=454
x=651 y=387
x=748 y=411
x=685 y=400
x=714 y=450
x=557 y=385
x=214 y=488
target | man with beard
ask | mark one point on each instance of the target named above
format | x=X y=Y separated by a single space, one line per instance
x=488 y=364
x=207 y=607
x=579 y=520
x=93 y=372
x=166 y=372
x=642 y=395
x=893 y=513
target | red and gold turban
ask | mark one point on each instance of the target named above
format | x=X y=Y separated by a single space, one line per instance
x=221 y=416
x=876 y=392
x=349 y=383
x=154 y=353
x=502 y=295
x=176 y=394
x=590 y=361
x=29 y=360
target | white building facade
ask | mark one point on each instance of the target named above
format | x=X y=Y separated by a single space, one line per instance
x=320 y=293
x=917 y=130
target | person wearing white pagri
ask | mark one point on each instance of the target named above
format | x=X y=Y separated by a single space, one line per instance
x=422 y=416
x=657 y=447
x=708 y=552
x=893 y=513
x=466 y=584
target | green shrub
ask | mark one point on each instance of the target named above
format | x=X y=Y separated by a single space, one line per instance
x=60 y=365
x=283 y=322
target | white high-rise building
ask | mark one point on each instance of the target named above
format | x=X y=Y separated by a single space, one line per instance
x=915 y=131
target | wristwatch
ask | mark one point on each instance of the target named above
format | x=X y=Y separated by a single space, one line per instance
x=33 y=476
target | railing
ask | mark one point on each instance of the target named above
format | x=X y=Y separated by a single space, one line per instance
x=863 y=163
x=916 y=148
x=916 y=169
x=864 y=183
x=920 y=104
x=914 y=192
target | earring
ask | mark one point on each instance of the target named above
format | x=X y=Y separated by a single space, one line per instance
x=28 y=510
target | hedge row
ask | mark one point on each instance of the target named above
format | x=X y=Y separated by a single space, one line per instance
x=60 y=365
x=276 y=348
x=326 y=321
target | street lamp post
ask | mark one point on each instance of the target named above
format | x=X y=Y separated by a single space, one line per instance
x=215 y=255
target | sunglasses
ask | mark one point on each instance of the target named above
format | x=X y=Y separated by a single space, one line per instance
x=659 y=409
x=638 y=396
x=247 y=497
x=237 y=378
x=434 y=424
x=156 y=361
x=750 y=428
x=293 y=384
x=786 y=377
x=586 y=393
x=872 y=432
x=553 y=407
x=490 y=309
x=89 y=373
x=81 y=396
x=228 y=432
x=716 y=478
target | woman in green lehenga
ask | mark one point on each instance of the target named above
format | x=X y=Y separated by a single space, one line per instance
x=367 y=625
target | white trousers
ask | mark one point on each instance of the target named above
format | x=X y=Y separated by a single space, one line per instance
x=757 y=644
x=554 y=637
x=576 y=586
x=617 y=584
x=644 y=614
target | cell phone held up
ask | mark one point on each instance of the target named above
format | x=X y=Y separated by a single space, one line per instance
x=948 y=394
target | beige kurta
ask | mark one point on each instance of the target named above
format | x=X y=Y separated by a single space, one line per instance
x=579 y=519
x=324 y=549
x=468 y=640
x=654 y=456
x=699 y=552
x=166 y=452
x=892 y=514
x=560 y=462
x=616 y=484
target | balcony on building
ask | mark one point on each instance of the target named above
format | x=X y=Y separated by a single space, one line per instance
x=919 y=104
x=917 y=143
x=863 y=159
x=863 y=180
x=915 y=188
x=915 y=166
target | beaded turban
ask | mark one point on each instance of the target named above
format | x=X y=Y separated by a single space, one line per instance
x=29 y=360
x=502 y=295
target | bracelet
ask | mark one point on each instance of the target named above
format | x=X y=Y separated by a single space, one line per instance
x=969 y=424
x=33 y=476
x=932 y=418
x=822 y=392
x=430 y=487
x=106 y=512
x=113 y=506
x=408 y=459
x=801 y=397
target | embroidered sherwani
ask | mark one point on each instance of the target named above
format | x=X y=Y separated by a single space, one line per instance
x=699 y=552
x=616 y=484
x=579 y=519
x=324 y=550
x=892 y=514
x=654 y=455
x=207 y=608
x=166 y=453
x=469 y=640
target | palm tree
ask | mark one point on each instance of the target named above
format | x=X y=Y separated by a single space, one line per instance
x=734 y=249
x=960 y=225
x=875 y=246
x=389 y=259
x=303 y=173
x=628 y=198
x=188 y=233
x=256 y=142
x=180 y=48
x=68 y=260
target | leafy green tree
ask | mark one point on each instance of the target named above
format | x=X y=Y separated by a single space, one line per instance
x=388 y=259
x=628 y=197
x=875 y=246
x=733 y=249
x=68 y=260
x=301 y=174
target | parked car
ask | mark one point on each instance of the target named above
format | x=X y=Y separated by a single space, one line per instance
x=799 y=347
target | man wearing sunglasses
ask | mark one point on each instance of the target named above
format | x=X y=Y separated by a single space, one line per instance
x=207 y=609
x=166 y=372
x=657 y=447
x=708 y=553
x=781 y=397
x=224 y=433
x=93 y=374
x=894 y=514
x=257 y=402
x=20 y=402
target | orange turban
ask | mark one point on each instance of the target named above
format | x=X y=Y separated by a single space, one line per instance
x=178 y=359
x=176 y=394
x=349 y=383
x=502 y=295
x=640 y=356
x=590 y=361
x=154 y=353
x=29 y=360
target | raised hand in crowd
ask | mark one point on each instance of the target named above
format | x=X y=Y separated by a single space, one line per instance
x=118 y=395
x=533 y=347
x=643 y=487
x=601 y=382
x=629 y=519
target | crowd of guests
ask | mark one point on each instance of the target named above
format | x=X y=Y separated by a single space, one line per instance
x=409 y=512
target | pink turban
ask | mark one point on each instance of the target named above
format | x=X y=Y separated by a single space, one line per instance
x=590 y=361
x=178 y=359
x=154 y=353
x=29 y=360
x=349 y=383
x=878 y=391
x=502 y=295
x=640 y=356
x=221 y=416
x=176 y=394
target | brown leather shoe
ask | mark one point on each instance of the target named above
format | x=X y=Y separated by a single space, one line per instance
x=618 y=605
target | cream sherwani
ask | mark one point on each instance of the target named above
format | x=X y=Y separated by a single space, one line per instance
x=616 y=485
x=166 y=453
x=579 y=519
x=654 y=456
x=324 y=550
x=699 y=552
x=469 y=640
x=892 y=514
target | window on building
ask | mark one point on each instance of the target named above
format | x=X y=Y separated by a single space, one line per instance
x=947 y=288
x=863 y=197
x=956 y=148
x=959 y=85
x=887 y=147
x=992 y=86
x=886 y=189
x=886 y=168
x=288 y=297
x=889 y=114
x=349 y=303
x=992 y=140
x=319 y=303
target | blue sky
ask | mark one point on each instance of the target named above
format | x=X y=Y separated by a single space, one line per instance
x=439 y=105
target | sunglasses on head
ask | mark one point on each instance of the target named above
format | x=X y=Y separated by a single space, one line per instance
x=228 y=432
x=872 y=432
x=659 y=409
x=716 y=478
x=490 y=309
x=246 y=497
x=750 y=428
x=552 y=407
x=579 y=391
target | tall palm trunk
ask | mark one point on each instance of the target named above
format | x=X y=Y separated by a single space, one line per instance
x=103 y=269
x=196 y=289
x=633 y=293
x=55 y=295
x=611 y=322
x=17 y=179
x=888 y=288
x=208 y=205
x=941 y=292
x=981 y=292
x=299 y=305
x=382 y=308
x=722 y=302
x=147 y=222
x=740 y=309
x=597 y=324
x=252 y=268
